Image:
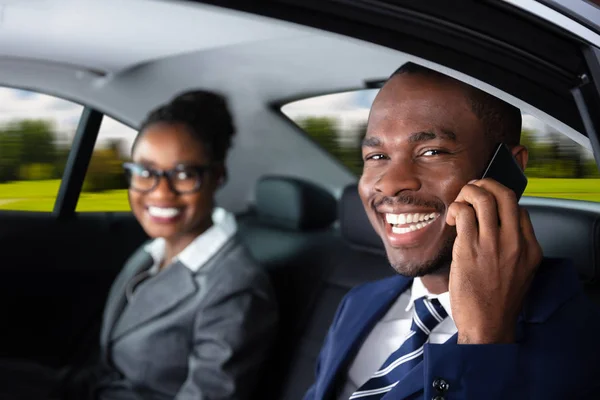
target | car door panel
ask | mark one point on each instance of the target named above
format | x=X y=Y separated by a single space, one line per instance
x=57 y=273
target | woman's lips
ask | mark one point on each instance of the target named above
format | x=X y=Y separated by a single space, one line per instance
x=164 y=214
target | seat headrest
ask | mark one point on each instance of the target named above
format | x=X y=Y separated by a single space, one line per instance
x=294 y=204
x=355 y=225
x=571 y=234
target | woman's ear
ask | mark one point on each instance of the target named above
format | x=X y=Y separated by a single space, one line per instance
x=221 y=176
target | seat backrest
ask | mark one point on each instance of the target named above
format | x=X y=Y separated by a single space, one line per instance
x=572 y=234
x=354 y=256
x=289 y=217
x=289 y=232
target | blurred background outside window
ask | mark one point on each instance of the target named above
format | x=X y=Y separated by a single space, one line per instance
x=37 y=130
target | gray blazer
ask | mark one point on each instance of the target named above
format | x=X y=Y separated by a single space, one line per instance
x=188 y=335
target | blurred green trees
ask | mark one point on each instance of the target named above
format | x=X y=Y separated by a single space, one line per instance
x=325 y=132
x=557 y=156
x=105 y=171
x=29 y=151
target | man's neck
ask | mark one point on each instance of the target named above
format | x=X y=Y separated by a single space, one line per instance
x=437 y=283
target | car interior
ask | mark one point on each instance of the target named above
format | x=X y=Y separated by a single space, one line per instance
x=298 y=208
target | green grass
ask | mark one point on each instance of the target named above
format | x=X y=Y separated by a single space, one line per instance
x=113 y=200
x=577 y=189
x=29 y=195
x=40 y=195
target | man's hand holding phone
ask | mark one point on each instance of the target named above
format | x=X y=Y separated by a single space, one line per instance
x=495 y=254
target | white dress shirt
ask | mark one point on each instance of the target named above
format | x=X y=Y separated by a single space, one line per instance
x=389 y=334
x=202 y=248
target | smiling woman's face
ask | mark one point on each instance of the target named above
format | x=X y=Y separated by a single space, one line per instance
x=162 y=212
x=423 y=144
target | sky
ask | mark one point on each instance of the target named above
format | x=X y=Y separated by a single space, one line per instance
x=349 y=108
x=18 y=104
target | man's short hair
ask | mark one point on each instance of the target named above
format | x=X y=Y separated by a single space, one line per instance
x=501 y=120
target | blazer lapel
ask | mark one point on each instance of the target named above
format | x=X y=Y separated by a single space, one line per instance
x=367 y=310
x=409 y=384
x=116 y=300
x=155 y=297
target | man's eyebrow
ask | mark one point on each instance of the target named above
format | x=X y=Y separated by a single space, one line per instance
x=371 y=141
x=425 y=136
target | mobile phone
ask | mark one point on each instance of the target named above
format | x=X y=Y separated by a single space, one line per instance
x=504 y=169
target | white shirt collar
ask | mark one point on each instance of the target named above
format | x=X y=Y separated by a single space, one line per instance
x=202 y=248
x=419 y=290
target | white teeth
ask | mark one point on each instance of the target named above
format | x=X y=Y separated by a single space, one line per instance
x=417 y=221
x=391 y=218
x=160 y=212
x=401 y=219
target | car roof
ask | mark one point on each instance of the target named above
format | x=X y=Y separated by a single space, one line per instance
x=103 y=44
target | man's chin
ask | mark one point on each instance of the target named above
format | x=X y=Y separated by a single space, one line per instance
x=418 y=270
x=413 y=267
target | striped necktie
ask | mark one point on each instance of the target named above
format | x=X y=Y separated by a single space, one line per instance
x=427 y=314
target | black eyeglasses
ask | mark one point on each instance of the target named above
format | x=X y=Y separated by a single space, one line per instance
x=181 y=179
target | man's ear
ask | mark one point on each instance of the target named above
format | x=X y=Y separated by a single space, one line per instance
x=521 y=154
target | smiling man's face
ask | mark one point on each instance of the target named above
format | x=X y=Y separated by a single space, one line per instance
x=423 y=144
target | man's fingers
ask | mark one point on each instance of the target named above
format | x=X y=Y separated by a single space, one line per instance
x=485 y=207
x=506 y=203
x=463 y=217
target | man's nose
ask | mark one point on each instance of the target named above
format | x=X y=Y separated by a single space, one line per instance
x=397 y=177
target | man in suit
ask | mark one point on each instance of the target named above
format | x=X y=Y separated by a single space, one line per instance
x=476 y=311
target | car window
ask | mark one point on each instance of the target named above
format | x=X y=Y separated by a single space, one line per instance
x=104 y=187
x=558 y=167
x=36 y=132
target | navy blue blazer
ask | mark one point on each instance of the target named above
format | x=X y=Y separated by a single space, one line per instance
x=556 y=354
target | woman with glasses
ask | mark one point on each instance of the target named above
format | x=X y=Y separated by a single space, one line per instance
x=190 y=316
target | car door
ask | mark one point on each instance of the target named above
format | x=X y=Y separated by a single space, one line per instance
x=61 y=247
